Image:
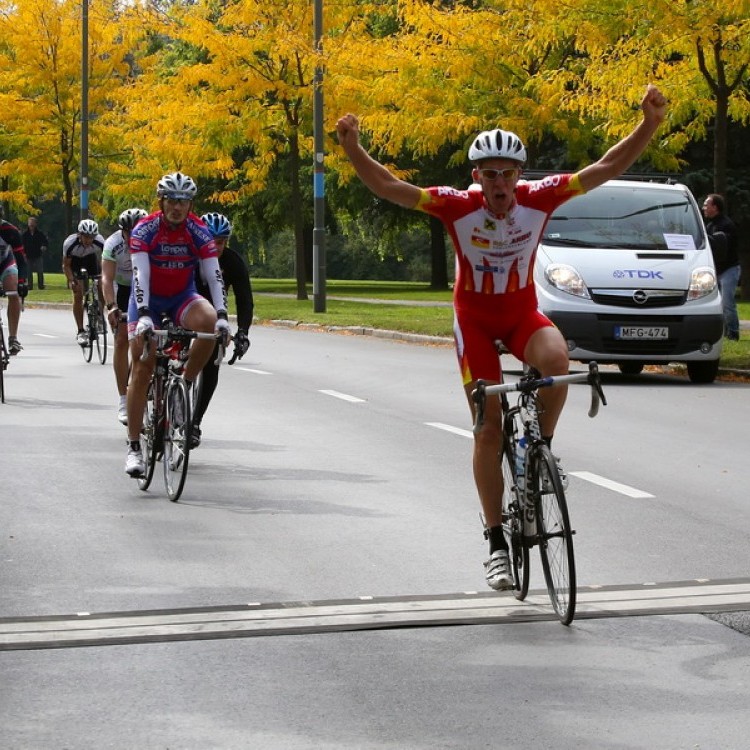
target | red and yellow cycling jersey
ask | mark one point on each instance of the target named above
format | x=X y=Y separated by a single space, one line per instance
x=495 y=254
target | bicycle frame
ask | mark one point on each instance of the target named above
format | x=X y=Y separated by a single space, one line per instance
x=534 y=506
x=165 y=435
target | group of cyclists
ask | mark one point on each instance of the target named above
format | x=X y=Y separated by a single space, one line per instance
x=170 y=263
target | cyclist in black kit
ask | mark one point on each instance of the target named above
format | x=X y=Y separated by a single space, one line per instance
x=236 y=278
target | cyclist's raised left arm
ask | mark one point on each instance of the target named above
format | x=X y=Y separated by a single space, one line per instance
x=625 y=153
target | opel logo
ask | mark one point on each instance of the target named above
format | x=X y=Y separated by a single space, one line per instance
x=640 y=297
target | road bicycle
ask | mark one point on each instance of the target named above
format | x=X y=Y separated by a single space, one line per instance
x=167 y=429
x=96 y=321
x=4 y=358
x=534 y=508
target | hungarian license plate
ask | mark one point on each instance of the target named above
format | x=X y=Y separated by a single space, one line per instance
x=641 y=332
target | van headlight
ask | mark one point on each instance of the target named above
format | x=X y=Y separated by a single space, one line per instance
x=566 y=279
x=702 y=282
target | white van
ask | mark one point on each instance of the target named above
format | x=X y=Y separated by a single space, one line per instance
x=626 y=273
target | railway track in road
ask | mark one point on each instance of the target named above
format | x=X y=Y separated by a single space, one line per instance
x=256 y=619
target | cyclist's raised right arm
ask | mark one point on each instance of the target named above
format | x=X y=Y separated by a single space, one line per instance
x=373 y=174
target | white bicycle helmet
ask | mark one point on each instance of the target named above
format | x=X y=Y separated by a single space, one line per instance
x=218 y=224
x=88 y=226
x=177 y=186
x=497 y=144
x=130 y=217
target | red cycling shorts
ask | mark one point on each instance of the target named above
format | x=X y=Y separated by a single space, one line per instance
x=482 y=319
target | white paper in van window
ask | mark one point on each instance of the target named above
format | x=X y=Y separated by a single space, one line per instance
x=679 y=241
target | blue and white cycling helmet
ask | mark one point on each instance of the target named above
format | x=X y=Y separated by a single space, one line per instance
x=218 y=224
x=177 y=186
x=130 y=217
x=497 y=144
x=88 y=226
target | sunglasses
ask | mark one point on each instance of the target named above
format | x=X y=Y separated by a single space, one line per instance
x=492 y=174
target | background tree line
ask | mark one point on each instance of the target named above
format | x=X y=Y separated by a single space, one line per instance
x=222 y=90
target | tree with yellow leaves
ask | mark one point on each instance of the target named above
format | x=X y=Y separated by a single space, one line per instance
x=40 y=94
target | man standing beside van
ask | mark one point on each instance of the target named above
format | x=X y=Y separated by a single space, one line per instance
x=722 y=234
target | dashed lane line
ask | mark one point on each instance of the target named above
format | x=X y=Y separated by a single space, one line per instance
x=587 y=476
x=343 y=396
x=609 y=484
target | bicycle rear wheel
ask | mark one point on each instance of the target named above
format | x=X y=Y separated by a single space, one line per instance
x=99 y=326
x=513 y=525
x=177 y=433
x=150 y=438
x=555 y=535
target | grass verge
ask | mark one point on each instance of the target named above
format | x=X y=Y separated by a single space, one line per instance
x=275 y=299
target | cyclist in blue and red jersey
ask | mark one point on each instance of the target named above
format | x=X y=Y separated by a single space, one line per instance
x=10 y=241
x=495 y=227
x=165 y=250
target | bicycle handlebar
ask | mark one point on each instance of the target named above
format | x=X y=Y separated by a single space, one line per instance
x=181 y=334
x=529 y=385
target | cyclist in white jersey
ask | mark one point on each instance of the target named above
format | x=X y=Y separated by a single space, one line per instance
x=117 y=279
x=495 y=229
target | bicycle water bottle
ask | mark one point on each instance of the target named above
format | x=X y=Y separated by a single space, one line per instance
x=520 y=461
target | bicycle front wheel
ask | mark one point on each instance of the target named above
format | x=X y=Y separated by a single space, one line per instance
x=177 y=435
x=4 y=360
x=87 y=349
x=513 y=526
x=150 y=438
x=555 y=535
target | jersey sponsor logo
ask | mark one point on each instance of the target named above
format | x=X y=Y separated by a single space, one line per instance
x=444 y=190
x=486 y=268
x=174 y=250
x=490 y=225
x=550 y=181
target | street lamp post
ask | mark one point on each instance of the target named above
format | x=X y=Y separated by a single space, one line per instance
x=84 y=194
x=319 y=250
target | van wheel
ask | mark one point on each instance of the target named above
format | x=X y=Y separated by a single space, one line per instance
x=630 y=368
x=703 y=372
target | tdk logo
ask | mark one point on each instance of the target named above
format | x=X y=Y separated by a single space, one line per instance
x=638 y=274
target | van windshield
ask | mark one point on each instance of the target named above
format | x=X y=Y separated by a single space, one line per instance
x=624 y=217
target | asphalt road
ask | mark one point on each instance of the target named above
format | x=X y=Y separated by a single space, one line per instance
x=333 y=488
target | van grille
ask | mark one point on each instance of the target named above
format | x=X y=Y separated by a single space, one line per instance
x=649 y=297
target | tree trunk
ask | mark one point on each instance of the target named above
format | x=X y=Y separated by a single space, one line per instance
x=721 y=125
x=439 y=264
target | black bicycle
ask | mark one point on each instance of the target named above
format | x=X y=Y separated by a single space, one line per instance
x=166 y=434
x=96 y=321
x=534 y=510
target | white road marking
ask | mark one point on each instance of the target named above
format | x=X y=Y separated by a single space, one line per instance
x=587 y=476
x=344 y=397
x=451 y=429
x=254 y=371
x=623 y=489
x=44 y=335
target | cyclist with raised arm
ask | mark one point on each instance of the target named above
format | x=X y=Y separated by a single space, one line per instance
x=166 y=248
x=117 y=278
x=81 y=252
x=10 y=239
x=495 y=230
x=237 y=278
